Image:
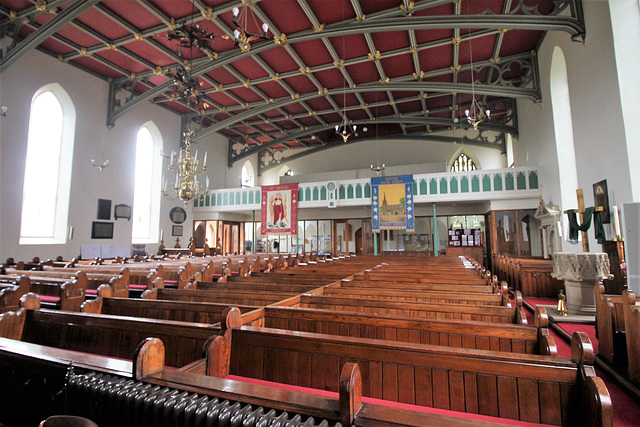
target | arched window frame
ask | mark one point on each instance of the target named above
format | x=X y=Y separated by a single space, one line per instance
x=139 y=232
x=462 y=155
x=58 y=205
x=247 y=178
x=563 y=128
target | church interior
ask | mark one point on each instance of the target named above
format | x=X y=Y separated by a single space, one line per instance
x=319 y=212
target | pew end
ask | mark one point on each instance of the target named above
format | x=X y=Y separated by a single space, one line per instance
x=148 y=358
x=30 y=301
x=632 y=327
x=218 y=352
x=595 y=396
x=350 y=393
x=12 y=324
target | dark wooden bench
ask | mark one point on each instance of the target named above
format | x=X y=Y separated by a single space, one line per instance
x=89 y=279
x=610 y=327
x=11 y=290
x=183 y=311
x=115 y=336
x=224 y=297
x=492 y=314
x=451 y=333
x=66 y=294
x=531 y=388
x=419 y=296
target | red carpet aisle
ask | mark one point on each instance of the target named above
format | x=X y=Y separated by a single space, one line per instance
x=626 y=411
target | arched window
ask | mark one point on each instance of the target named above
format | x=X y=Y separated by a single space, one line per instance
x=509 y=152
x=462 y=163
x=563 y=127
x=146 y=194
x=247 y=179
x=47 y=172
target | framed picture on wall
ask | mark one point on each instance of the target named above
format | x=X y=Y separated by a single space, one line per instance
x=104 y=209
x=176 y=230
x=102 y=230
x=601 y=198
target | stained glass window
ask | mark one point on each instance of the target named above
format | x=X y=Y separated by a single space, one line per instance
x=463 y=163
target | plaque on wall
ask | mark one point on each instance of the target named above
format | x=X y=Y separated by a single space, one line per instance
x=177 y=215
x=122 y=211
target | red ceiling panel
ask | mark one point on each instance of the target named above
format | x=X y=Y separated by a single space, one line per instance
x=288 y=17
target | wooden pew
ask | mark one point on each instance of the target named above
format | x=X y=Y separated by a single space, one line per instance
x=419 y=296
x=451 y=333
x=138 y=277
x=492 y=314
x=523 y=387
x=417 y=286
x=182 y=311
x=115 y=336
x=631 y=313
x=11 y=290
x=224 y=297
x=91 y=280
x=66 y=294
x=610 y=327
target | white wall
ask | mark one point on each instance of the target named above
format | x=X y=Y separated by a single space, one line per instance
x=421 y=156
x=596 y=114
x=115 y=183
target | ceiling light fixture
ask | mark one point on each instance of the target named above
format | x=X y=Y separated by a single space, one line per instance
x=100 y=165
x=378 y=168
x=345 y=129
x=188 y=36
x=476 y=114
x=243 y=34
x=187 y=168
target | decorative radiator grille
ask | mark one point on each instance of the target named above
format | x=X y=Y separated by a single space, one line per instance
x=115 y=401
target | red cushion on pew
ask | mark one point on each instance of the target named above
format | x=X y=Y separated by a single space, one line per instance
x=388 y=403
x=91 y=291
x=47 y=298
x=137 y=286
x=170 y=282
x=216 y=275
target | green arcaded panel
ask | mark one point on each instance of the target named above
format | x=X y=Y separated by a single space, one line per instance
x=533 y=180
x=497 y=182
x=464 y=184
x=453 y=185
x=508 y=181
x=486 y=183
x=443 y=185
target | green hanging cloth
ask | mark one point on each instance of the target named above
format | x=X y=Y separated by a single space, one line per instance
x=574 y=227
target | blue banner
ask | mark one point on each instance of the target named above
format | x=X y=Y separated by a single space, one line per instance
x=392 y=203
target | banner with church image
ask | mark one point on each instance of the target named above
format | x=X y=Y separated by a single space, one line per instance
x=279 y=209
x=392 y=203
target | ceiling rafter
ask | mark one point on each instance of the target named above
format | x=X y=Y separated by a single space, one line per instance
x=410 y=56
x=572 y=25
x=35 y=38
x=414 y=120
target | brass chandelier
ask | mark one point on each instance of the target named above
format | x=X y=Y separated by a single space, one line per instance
x=187 y=169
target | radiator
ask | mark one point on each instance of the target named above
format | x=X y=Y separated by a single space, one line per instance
x=115 y=401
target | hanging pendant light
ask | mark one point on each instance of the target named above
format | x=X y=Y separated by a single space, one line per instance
x=476 y=114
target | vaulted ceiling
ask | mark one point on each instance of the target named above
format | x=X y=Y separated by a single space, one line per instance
x=399 y=68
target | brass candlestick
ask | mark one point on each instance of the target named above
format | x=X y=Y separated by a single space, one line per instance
x=562 y=304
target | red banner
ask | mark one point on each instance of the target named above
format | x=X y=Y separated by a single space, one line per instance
x=279 y=213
